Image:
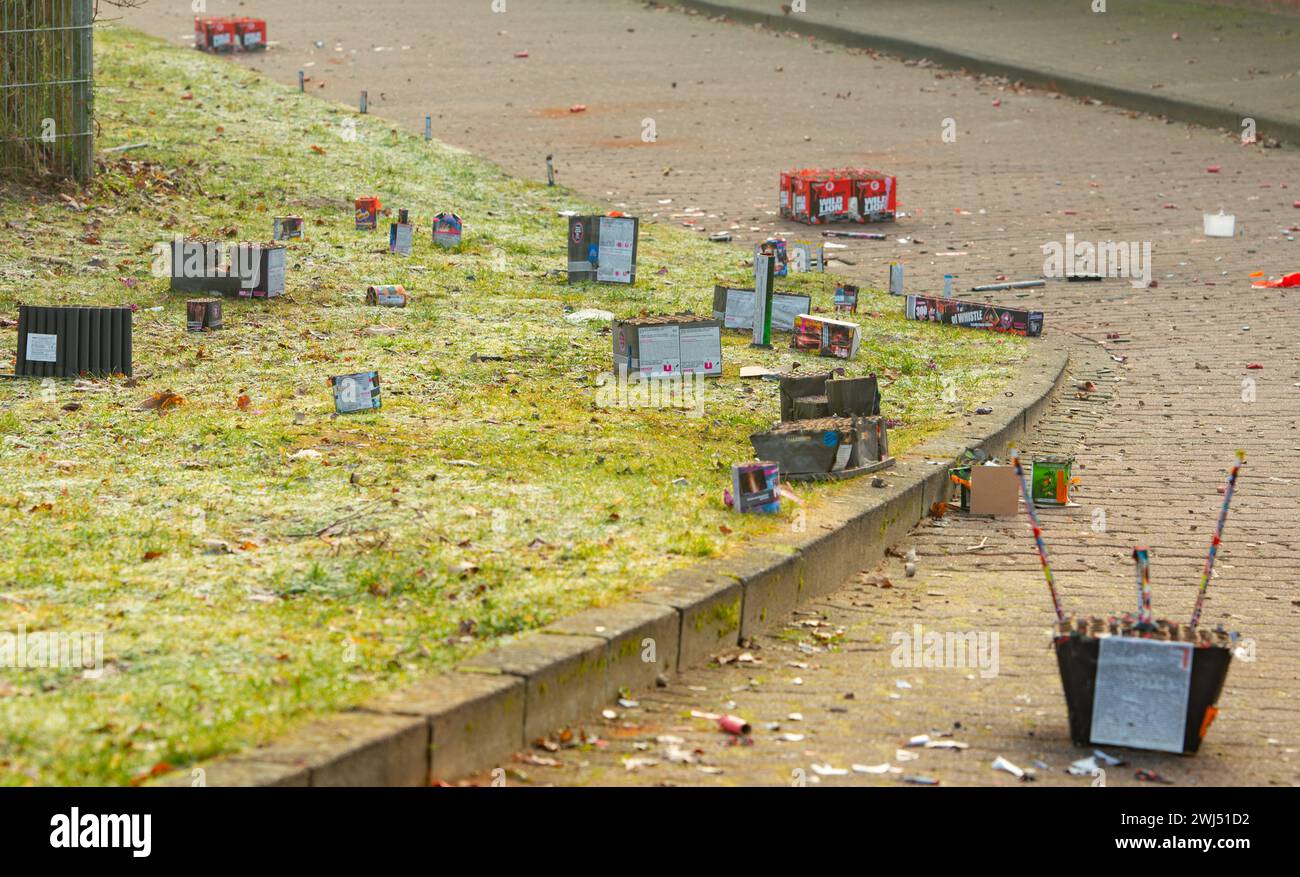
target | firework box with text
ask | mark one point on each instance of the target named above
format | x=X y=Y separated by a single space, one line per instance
x=818 y=197
x=246 y=269
x=67 y=342
x=367 y=213
x=735 y=308
x=877 y=197
x=603 y=248
x=286 y=228
x=356 y=392
x=250 y=34
x=974 y=315
x=215 y=34
x=668 y=346
x=826 y=337
x=756 y=487
x=447 y=230
x=1179 y=670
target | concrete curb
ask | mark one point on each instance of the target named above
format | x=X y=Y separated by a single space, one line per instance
x=493 y=704
x=1181 y=109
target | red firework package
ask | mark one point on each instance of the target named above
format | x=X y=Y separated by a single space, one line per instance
x=817 y=197
x=215 y=34
x=251 y=33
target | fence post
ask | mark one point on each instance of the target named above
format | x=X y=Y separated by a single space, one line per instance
x=83 y=93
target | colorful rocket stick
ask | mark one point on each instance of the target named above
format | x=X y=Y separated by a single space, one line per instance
x=1214 y=542
x=1038 y=535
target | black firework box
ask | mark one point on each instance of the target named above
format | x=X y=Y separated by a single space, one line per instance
x=254 y=270
x=65 y=342
x=1180 y=671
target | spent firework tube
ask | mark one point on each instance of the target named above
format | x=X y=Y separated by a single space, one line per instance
x=1017 y=284
x=734 y=725
x=387 y=296
x=1217 y=539
x=1142 y=558
x=856 y=235
x=1038 y=536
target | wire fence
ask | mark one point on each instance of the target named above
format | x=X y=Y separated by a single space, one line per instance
x=46 y=94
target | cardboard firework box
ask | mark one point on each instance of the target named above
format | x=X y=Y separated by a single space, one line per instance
x=271 y=271
x=826 y=447
x=818 y=197
x=203 y=315
x=877 y=197
x=846 y=298
x=367 y=213
x=287 y=228
x=65 y=342
x=215 y=34
x=356 y=392
x=603 y=248
x=826 y=337
x=735 y=308
x=247 y=269
x=401 y=235
x=974 y=315
x=447 y=230
x=756 y=487
x=668 y=346
x=250 y=34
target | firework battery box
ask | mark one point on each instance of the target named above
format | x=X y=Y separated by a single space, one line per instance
x=735 y=308
x=973 y=315
x=818 y=197
x=255 y=270
x=826 y=337
x=1180 y=672
x=250 y=34
x=356 y=392
x=64 y=342
x=668 y=346
x=826 y=447
x=269 y=282
x=215 y=34
x=756 y=487
x=203 y=315
x=287 y=228
x=401 y=235
x=603 y=248
x=447 y=230
x=1051 y=480
x=367 y=213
